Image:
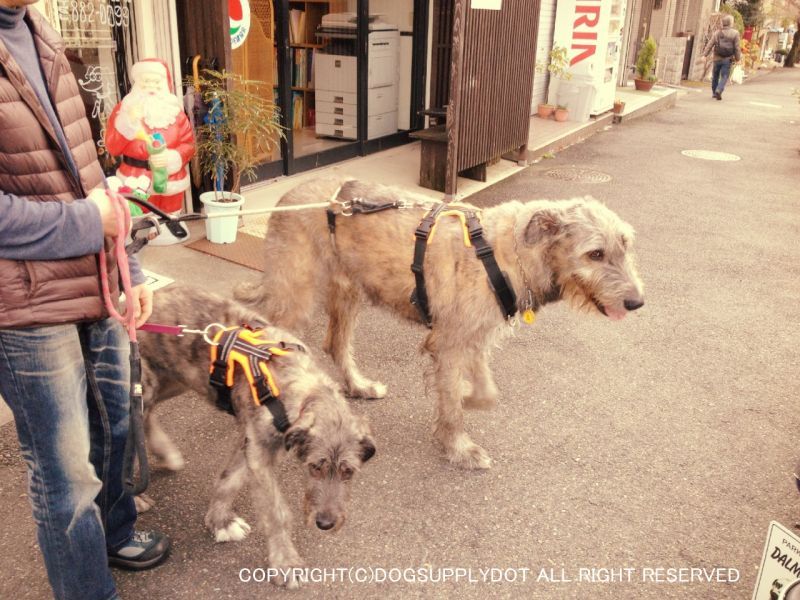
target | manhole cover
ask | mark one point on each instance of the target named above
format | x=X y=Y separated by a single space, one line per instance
x=710 y=155
x=576 y=174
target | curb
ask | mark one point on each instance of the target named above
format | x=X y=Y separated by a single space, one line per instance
x=599 y=123
x=667 y=101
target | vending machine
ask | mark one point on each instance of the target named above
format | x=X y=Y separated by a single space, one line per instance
x=591 y=31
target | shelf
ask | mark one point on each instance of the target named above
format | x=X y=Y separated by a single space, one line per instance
x=305 y=45
x=297 y=89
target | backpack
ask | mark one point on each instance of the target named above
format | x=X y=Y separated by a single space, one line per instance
x=725 y=47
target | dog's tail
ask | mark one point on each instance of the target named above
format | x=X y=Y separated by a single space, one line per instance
x=297 y=253
x=249 y=292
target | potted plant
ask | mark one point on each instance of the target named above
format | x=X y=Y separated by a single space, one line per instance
x=619 y=106
x=561 y=113
x=645 y=62
x=239 y=131
x=557 y=65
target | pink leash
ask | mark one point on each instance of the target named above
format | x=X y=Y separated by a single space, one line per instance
x=122 y=210
x=135 y=444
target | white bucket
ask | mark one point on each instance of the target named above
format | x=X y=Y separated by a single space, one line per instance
x=222 y=230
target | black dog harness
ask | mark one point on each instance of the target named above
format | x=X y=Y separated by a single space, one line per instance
x=246 y=348
x=473 y=236
x=358 y=206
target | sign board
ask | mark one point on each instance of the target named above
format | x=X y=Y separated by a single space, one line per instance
x=779 y=575
x=239 y=14
x=486 y=4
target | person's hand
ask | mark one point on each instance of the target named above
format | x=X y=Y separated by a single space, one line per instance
x=159 y=161
x=141 y=301
x=108 y=215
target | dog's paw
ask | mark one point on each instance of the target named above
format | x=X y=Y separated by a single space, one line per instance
x=143 y=503
x=235 y=531
x=171 y=462
x=368 y=390
x=289 y=570
x=479 y=402
x=468 y=455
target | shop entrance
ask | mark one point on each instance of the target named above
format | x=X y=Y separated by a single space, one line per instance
x=347 y=75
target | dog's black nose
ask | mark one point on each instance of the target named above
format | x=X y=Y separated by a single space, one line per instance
x=633 y=304
x=325 y=522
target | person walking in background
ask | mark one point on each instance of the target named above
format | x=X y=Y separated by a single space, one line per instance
x=726 y=46
x=64 y=364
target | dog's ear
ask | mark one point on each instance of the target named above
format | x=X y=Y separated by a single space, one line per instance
x=299 y=438
x=367 y=448
x=544 y=223
x=299 y=434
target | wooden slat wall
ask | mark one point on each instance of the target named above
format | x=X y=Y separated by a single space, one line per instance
x=496 y=73
x=441 y=49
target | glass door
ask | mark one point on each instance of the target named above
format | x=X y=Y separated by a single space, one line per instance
x=100 y=40
x=322 y=62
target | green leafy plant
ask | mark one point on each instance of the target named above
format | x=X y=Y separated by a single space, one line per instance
x=241 y=129
x=562 y=107
x=557 y=64
x=646 y=60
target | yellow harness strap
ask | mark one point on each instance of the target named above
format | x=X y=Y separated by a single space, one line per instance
x=458 y=212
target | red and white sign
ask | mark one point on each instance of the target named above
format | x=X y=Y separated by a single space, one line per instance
x=239 y=14
x=584 y=31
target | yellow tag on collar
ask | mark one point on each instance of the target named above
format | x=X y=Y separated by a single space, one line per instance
x=528 y=316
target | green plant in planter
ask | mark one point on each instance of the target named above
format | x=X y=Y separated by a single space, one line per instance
x=557 y=64
x=241 y=128
x=646 y=60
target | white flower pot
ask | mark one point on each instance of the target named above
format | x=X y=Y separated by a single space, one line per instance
x=222 y=230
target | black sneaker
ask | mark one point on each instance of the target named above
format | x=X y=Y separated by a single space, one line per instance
x=145 y=550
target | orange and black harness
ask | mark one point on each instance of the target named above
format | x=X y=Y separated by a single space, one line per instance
x=473 y=237
x=247 y=348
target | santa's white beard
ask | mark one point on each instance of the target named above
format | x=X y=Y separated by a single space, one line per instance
x=157 y=111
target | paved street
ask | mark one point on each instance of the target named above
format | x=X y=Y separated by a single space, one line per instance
x=666 y=440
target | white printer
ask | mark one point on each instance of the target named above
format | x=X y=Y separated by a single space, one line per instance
x=336 y=77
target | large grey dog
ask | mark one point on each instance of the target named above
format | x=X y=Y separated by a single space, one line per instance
x=331 y=441
x=577 y=250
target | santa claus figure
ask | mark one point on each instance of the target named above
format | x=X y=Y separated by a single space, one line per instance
x=154 y=137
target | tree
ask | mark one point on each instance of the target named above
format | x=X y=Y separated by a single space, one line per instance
x=792 y=57
x=752 y=12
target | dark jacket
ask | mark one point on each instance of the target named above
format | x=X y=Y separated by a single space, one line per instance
x=729 y=33
x=32 y=166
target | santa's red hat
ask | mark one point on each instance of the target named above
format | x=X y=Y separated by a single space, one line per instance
x=155 y=66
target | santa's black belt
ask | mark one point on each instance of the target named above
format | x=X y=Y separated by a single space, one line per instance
x=135 y=162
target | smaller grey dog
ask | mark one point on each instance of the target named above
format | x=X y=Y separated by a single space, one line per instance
x=331 y=441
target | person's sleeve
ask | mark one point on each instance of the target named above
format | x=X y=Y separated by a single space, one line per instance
x=710 y=45
x=137 y=276
x=33 y=230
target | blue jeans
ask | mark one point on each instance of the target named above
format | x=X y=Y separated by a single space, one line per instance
x=720 y=74
x=67 y=386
